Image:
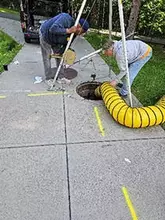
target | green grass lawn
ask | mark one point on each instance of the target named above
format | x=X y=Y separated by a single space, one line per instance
x=8 y=49
x=10 y=11
x=149 y=85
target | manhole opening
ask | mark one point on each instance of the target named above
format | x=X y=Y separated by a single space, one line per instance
x=87 y=90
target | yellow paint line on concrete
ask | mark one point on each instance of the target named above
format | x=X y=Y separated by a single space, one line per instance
x=99 y=122
x=2 y=96
x=45 y=94
x=129 y=203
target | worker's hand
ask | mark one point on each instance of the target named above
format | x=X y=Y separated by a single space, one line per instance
x=108 y=52
x=113 y=83
x=71 y=30
x=104 y=51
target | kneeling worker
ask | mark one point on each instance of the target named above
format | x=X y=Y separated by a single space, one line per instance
x=138 y=53
x=54 y=34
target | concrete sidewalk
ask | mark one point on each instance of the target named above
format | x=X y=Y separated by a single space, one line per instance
x=56 y=164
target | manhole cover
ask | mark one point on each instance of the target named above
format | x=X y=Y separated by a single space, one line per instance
x=69 y=73
x=87 y=89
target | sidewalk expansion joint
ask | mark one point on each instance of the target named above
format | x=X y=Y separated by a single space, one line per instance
x=67 y=160
x=76 y=143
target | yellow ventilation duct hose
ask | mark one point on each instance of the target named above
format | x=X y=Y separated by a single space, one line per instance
x=139 y=117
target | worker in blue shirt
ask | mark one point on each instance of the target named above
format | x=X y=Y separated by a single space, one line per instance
x=54 y=35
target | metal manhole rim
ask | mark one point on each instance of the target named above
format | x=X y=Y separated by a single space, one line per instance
x=86 y=90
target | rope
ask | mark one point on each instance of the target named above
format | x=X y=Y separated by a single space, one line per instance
x=75 y=41
x=103 y=18
x=98 y=13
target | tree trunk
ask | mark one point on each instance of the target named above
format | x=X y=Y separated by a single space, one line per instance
x=133 y=18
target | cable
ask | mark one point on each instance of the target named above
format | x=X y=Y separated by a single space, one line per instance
x=75 y=41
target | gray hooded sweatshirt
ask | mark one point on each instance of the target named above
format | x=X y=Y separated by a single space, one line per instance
x=136 y=49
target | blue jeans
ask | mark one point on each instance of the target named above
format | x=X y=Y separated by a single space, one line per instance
x=134 y=69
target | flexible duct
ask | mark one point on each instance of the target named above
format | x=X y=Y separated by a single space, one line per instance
x=132 y=117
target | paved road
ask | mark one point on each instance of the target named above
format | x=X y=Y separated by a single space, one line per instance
x=9 y=16
x=12 y=28
x=54 y=161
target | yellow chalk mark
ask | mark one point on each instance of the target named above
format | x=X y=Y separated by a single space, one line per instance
x=129 y=204
x=99 y=121
x=2 y=96
x=45 y=94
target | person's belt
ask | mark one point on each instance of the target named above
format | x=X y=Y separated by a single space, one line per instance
x=149 y=49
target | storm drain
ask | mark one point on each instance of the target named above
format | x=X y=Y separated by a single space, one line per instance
x=87 y=90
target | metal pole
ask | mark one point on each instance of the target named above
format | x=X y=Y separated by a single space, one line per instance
x=69 y=43
x=88 y=56
x=110 y=19
x=120 y=5
x=110 y=28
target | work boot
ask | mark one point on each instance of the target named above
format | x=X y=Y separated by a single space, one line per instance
x=64 y=81
x=119 y=85
x=123 y=96
x=49 y=82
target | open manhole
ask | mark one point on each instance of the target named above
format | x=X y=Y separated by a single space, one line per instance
x=87 y=90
